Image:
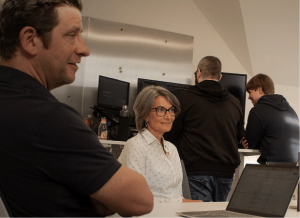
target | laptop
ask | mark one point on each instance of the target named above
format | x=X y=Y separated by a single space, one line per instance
x=262 y=190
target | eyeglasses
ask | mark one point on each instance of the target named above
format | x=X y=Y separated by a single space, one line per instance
x=161 y=111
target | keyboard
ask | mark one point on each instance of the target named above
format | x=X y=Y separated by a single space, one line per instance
x=216 y=213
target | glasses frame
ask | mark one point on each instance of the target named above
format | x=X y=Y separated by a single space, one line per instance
x=167 y=110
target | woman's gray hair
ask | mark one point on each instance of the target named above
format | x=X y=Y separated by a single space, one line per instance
x=145 y=99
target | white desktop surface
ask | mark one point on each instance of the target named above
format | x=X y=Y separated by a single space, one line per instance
x=108 y=143
x=238 y=171
x=170 y=209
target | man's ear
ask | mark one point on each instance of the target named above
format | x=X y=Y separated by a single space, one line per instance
x=260 y=91
x=220 y=77
x=199 y=74
x=29 y=41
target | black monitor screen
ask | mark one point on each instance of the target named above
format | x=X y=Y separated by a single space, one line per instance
x=112 y=93
x=174 y=88
x=236 y=85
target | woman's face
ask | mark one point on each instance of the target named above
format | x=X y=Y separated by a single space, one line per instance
x=159 y=125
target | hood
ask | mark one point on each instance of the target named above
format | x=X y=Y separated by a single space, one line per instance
x=210 y=90
x=276 y=101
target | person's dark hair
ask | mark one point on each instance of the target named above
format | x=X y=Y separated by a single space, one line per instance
x=263 y=81
x=39 y=14
x=210 y=67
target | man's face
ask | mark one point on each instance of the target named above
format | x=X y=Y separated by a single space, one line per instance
x=254 y=95
x=57 y=65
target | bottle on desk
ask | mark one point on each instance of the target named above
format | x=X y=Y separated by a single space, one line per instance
x=102 y=129
x=123 y=128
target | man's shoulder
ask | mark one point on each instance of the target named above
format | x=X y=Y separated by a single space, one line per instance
x=189 y=93
x=259 y=108
x=234 y=99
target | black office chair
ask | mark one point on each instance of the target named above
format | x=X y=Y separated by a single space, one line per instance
x=4 y=209
x=298 y=197
x=186 y=193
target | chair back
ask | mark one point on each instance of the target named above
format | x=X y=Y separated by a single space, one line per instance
x=4 y=209
x=298 y=196
x=185 y=183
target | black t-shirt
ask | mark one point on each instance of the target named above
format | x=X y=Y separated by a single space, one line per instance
x=50 y=160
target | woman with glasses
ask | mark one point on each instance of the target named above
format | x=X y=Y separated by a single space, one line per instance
x=148 y=153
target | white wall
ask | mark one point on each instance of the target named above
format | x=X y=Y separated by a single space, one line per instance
x=170 y=15
x=291 y=93
x=272 y=31
x=176 y=16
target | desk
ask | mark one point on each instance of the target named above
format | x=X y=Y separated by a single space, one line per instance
x=109 y=143
x=170 y=209
x=118 y=145
x=114 y=147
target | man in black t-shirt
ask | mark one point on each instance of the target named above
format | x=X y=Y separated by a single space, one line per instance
x=51 y=163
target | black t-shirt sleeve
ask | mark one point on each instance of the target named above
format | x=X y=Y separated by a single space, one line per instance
x=254 y=130
x=68 y=152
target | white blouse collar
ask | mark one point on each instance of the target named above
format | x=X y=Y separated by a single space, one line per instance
x=150 y=138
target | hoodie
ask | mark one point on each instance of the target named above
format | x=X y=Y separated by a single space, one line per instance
x=207 y=131
x=273 y=127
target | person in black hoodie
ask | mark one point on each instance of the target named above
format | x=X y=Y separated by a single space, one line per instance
x=273 y=125
x=206 y=133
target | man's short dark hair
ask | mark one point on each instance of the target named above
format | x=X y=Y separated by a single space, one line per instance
x=39 y=14
x=210 y=67
x=263 y=81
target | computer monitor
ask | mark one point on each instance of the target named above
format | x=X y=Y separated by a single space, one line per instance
x=174 y=88
x=236 y=85
x=112 y=93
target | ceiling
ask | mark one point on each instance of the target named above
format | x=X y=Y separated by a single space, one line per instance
x=262 y=34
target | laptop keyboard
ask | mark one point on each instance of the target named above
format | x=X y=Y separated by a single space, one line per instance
x=216 y=213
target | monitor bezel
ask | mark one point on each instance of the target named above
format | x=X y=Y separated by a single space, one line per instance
x=158 y=81
x=115 y=107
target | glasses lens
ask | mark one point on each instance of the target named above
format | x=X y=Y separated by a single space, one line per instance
x=172 y=111
x=161 y=111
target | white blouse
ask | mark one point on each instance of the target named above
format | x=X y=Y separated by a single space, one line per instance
x=144 y=154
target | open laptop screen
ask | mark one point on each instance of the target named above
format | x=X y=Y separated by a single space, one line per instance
x=264 y=190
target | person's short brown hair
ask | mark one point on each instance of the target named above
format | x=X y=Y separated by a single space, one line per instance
x=39 y=14
x=210 y=67
x=263 y=81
